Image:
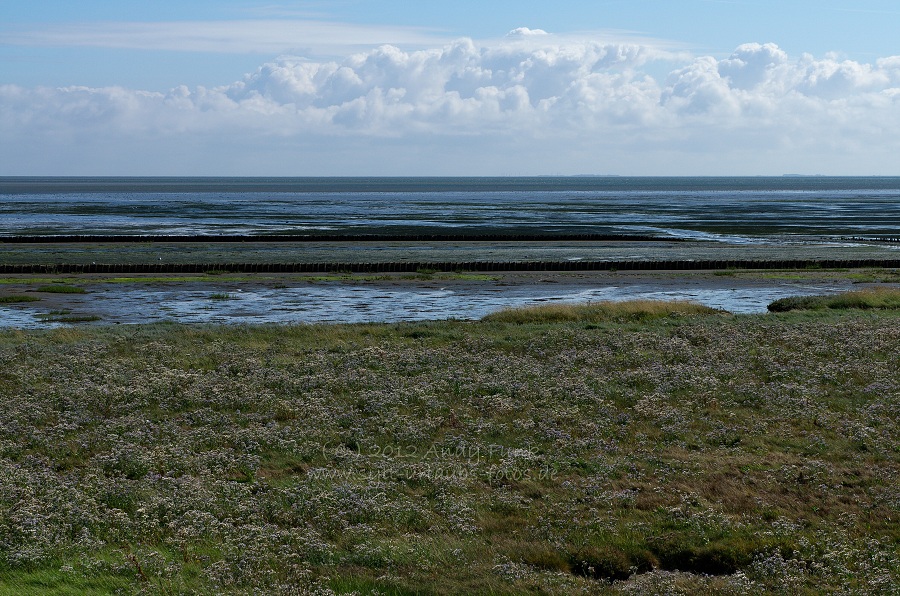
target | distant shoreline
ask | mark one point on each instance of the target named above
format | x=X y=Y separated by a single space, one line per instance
x=489 y=237
x=473 y=266
x=318 y=184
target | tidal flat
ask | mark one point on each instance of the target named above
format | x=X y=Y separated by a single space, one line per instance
x=35 y=301
x=636 y=454
x=801 y=247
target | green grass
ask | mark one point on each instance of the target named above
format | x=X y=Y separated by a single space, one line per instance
x=15 y=299
x=881 y=298
x=351 y=585
x=173 y=279
x=222 y=296
x=875 y=276
x=61 y=289
x=52 y=582
x=341 y=277
x=596 y=312
x=64 y=317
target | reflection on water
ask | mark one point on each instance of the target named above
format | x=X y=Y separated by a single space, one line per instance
x=12 y=317
x=346 y=303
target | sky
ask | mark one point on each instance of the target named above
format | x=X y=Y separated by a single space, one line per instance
x=481 y=88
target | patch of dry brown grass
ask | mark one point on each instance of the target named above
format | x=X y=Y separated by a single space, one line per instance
x=596 y=312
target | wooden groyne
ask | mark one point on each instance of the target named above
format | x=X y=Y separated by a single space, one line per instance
x=872 y=239
x=414 y=267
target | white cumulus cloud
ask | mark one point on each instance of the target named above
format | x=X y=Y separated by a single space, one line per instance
x=587 y=103
x=525 y=32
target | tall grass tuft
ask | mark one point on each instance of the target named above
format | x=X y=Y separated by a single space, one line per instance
x=883 y=298
x=17 y=298
x=61 y=289
x=596 y=312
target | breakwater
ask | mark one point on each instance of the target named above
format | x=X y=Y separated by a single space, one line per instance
x=414 y=267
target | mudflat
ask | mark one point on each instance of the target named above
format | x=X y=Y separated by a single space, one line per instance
x=341 y=297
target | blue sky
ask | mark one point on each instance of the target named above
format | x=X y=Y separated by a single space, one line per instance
x=398 y=87
x=862 y=30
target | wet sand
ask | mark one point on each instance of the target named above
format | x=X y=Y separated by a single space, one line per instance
x=800 y=248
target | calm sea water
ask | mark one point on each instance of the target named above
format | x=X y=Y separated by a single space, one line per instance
x=734 y=210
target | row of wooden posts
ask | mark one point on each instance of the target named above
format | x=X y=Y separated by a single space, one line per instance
x=414 y=267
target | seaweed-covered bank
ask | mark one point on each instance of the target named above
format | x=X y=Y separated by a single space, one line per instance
x=637 y=451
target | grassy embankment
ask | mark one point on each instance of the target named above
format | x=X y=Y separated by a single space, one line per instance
x=637 y=450
x=877 y=298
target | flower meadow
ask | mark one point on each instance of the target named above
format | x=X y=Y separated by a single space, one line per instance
x=692 y=453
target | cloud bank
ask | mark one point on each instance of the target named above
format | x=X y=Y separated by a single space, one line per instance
x=268 y=36
x=531 y=103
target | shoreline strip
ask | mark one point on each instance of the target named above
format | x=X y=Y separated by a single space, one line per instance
x=474 y=266
x=239 y=238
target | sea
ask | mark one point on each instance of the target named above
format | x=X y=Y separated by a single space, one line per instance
x=665 y=218
x=726 y=209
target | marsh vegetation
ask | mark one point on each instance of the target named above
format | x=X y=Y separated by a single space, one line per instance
x=61 y=289
x=878 y=297
x=604 y=311
x=663 y=452
x=17 y=298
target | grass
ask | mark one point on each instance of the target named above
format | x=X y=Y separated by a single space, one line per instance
x=222 y=296
x=884 y=298
x=613 y=455
x=875 y=276
x=595 y=312
x=75 y=319
x=342 y=277
x=64 y=316
x=864 y=275
x=173 y=279
x=54 y=582
x=61 y=289
x=15 y=299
